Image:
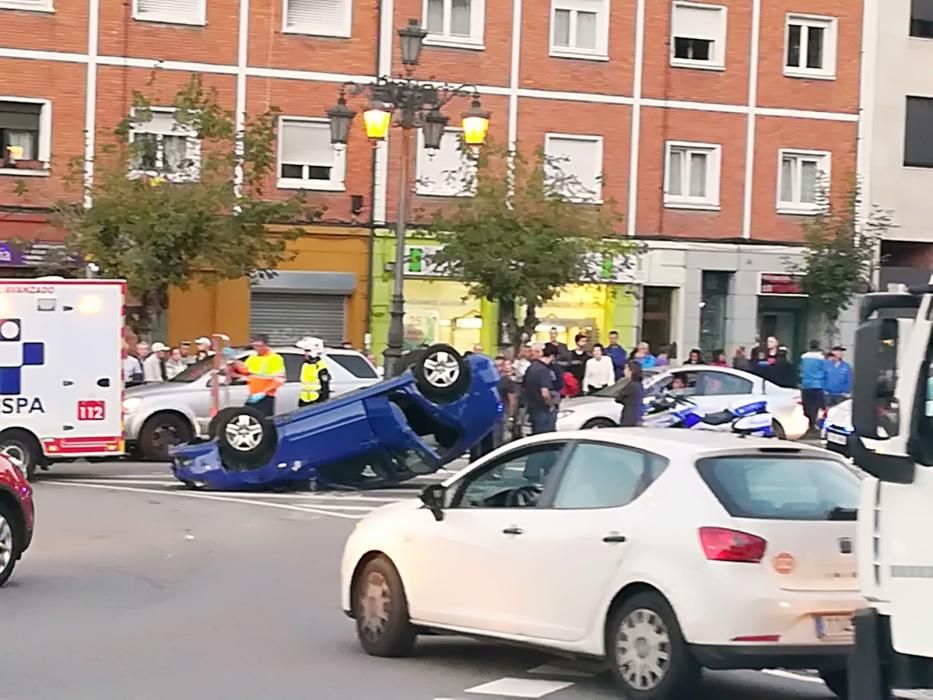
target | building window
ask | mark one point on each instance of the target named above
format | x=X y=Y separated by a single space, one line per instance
x=692 y=175
x=318 y=17
x=574 y=166
x=171 y=11
x=25 y=134
x=811 y=47
x=34 y=5
x=447 y=172
x=698 y=35
x=803 y=177
x=161 y=146
x=918 y=134
x=454 y=22
x=921 y=18
x=715 y=294
x=580 y=28
x=307 y=159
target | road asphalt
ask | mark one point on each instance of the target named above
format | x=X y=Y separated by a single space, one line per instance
x=136 y=589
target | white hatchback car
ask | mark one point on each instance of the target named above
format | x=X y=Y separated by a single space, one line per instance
x=711 y=387
x=659 y=555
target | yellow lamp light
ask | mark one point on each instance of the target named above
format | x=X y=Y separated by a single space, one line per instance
x=377 y=120
x=475 y=124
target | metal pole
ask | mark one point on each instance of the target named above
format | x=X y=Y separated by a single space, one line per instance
x=396 y=337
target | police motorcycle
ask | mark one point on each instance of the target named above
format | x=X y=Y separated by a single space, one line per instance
x=672 y=411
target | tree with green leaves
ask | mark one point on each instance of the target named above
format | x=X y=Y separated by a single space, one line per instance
x=841 y=248
x=185 y=207
x=529 y=230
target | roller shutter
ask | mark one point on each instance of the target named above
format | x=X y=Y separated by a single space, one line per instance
x=287 y=317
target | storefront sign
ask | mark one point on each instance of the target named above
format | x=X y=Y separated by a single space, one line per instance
x=780 y=284
x=10 y=256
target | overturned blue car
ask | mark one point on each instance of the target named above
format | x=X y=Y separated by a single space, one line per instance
x=371 y=437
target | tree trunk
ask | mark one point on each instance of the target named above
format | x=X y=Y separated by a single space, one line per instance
x=530 y=322
x=508 y=322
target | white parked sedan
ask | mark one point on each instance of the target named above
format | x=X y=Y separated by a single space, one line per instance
x=659 y=555
x=711 y=387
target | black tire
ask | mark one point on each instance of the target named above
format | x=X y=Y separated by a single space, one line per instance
x=778 y=430
x=681 y=674
x=442 y=373
x=395 y=636
x=261 y=446
x=10 y=522
x=837 y=681
x=593 y=423
x=160 y=433
x=23 y=450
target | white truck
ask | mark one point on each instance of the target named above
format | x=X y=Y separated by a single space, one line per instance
x=61 y=379
x=892 y=413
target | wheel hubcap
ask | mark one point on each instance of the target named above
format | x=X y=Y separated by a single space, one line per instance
x=17 y=457
x=375 y=598
x=165 y=436
x=441 y=369
x=6 y=543
x=643 y=649
x=244 y=433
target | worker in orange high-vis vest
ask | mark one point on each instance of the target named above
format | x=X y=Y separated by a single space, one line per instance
x=265 y=373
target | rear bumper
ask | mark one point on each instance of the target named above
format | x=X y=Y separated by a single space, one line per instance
x=755 y=657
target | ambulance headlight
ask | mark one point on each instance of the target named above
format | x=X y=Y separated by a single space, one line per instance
x=130 y=405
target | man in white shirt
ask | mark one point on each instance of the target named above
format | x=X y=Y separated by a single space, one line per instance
x=154 y=365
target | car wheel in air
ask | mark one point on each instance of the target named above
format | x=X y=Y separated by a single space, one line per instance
x=647 y=652
x=837 y=681
x=245 y=437
x=10 y=541
x=594 y=423
x=160 y=433
x=22 y=450
x=381 y=611
x=442 y=373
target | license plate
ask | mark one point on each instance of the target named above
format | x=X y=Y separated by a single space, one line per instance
x=832 y=627
x=836 y=438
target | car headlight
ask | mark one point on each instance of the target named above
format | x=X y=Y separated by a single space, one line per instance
x=564 y=414
x=130 y=405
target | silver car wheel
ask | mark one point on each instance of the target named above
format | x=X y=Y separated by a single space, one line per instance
x=643 y=649
x=375 y=599
x=441 y=369
x=6 y=543
x=244 y=433
x=17 y=456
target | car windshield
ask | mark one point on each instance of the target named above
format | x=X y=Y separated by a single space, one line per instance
x=614 y=390
x=782 y=487
x=195 y=371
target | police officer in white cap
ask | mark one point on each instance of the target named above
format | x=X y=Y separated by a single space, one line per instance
x=315 y=377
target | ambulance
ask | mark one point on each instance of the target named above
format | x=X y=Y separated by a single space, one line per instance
x=61 y=379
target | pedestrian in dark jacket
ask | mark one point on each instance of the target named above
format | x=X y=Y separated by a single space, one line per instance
x=695 y=357
x=632 y=396
x=618 y=355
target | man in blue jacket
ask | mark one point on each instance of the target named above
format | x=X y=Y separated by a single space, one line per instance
x=838 y=377
x=813 y=382
x=617 y=354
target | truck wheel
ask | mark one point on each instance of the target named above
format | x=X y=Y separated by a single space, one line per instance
x=442 y=373
x=162 y=432
x=22 y=450
x=10 y=541
x=245 y=437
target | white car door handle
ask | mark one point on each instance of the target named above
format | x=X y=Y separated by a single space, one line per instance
x=615 y=539
x=512 y=531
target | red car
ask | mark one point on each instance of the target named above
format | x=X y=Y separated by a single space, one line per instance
x=16 y=517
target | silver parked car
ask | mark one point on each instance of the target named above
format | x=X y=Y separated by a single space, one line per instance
x=158 y=416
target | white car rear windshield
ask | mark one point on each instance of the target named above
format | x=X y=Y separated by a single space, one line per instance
x=782 y=487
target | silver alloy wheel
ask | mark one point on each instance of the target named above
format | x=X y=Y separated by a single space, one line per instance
x=6 y=543
x=244 y=433
x=375 y=599
x=17 y=456
x=441 y=369
x=643 y=649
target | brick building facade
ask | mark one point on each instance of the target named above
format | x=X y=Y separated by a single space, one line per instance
x=708 y=123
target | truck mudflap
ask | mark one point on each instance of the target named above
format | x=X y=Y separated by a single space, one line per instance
x=875 y=668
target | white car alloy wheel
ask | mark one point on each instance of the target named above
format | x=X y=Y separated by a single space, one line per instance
x=244 y=433
x=643 y=649
x=375 y=602
x=6 y=544
x=441 y=369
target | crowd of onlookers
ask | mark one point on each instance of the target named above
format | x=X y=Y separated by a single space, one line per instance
x=157 y=362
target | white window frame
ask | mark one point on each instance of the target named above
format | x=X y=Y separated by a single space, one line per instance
x=824 y=177
x=477 y=27
x=601 y=52
x=719 y=43
x=338 y=173
x=597 y=197
x=45 y=135
x=25 y=6
x=193 y=151
x=345 y=31
x=198 y=19
x=708 y=202
x=830 y=33
x=427 y=189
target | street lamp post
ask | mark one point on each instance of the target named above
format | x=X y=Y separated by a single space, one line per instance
x=411 y=104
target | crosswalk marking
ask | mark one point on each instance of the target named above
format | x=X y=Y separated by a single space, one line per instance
x=519 y=688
